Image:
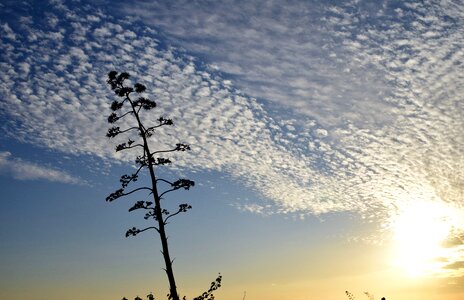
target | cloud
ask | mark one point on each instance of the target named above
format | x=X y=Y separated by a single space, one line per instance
x=456 y=265
x=8 y=32
x=381 y=79
x=24 y=170
x=300 y=54
x=359 y=110
x=359 y=105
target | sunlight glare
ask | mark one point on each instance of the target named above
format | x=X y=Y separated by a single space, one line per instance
x=420 y=229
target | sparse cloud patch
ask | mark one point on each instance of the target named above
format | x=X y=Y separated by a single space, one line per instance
x=23 y=170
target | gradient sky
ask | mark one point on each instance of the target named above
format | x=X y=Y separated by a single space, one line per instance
x=327 y=148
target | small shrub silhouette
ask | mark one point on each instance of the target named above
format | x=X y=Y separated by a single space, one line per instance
x=367 y=294
x=350 y=295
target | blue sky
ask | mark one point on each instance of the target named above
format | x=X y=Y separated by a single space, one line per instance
x=329 y=120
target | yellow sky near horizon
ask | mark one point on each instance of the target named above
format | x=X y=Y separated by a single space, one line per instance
x=324 y=271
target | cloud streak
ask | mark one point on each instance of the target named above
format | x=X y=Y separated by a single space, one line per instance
x=23 y=170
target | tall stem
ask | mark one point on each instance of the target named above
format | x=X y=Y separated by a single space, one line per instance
x=158 y=213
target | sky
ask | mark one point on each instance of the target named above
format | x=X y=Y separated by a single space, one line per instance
x=327 y=148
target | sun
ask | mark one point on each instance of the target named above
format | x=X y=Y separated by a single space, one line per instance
x=420 y=229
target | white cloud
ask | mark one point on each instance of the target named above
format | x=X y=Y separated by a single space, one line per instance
x=102 y=32
x=388 y=89
x=364 y=113
x=24 y=170
x=290 y=53
x=8 y=32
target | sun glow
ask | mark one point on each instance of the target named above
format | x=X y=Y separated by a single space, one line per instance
x=420 y=229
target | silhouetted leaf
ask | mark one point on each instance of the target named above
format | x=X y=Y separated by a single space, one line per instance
x=123 y=146
x=184 y=207
x=146 y=103
x=123 y=76
x=112 y=75
x=183 y=183
x=116 y=105
x=133 y=231
x=162 y=161
x=113 y=118
x=139 y=88
x=115 y=195
x=164 y=121
x=141 y=160
x=137 y=205
x=124 y=91
x=182 y=147
x=112 y=132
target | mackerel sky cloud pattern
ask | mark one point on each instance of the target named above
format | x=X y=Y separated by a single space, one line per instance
x=359 y=109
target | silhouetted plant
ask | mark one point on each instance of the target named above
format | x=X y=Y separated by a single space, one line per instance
x=369 y=295
x=148 y=160
x=209 y=294
x=350 y=295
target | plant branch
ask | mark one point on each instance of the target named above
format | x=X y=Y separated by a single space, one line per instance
x=128 y=129
x=167 y=191
x=134 y=231
x=182 y=208
x=179 y=147
x=138 y=189
x=164 y=180
x=142 y=204
x=181 y=183
x=123 y=146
